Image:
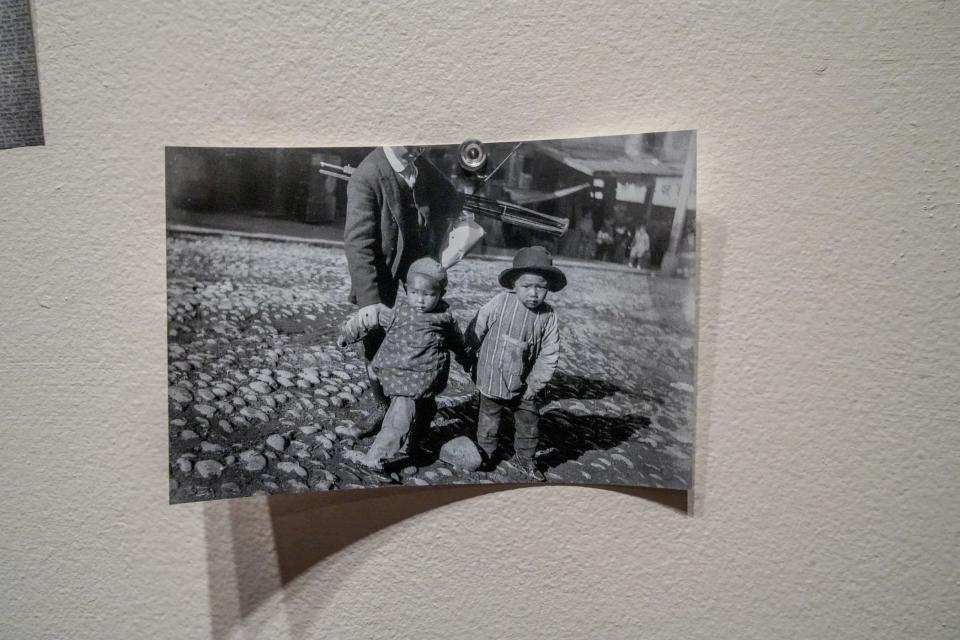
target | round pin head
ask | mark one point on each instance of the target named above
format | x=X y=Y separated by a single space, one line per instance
x=472 y=156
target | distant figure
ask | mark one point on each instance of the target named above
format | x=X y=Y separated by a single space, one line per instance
x=622 y=239
x=588 y=242
x=587 y=245
x=604 y=242
x=640 y=251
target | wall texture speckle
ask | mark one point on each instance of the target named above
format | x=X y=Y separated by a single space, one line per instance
x=829 y=358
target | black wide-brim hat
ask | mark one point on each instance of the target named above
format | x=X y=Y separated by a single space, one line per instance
x=534 y=260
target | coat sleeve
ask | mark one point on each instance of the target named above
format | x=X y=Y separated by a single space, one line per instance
x=547 y=357
x=360 y=236
x=352 y=330
x=445 y=201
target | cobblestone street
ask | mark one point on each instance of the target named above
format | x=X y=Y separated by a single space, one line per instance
x=259 y=393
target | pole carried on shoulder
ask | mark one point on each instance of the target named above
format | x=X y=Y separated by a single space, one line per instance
x=505 y=212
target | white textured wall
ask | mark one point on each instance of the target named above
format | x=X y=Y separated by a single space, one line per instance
x=829 y=194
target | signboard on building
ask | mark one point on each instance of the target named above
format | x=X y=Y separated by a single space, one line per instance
x=631 y=192
x=667 y=193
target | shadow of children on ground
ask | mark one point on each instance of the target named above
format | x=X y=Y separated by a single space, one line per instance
x=564 y=434
x=565 y=386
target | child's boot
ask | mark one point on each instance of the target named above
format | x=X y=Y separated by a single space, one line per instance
x=364 y=459
x=528 y=467
x=488 y=459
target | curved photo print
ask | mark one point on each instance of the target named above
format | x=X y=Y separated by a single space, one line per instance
x=473 y=313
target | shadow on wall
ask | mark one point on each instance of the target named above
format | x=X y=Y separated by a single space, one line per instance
x=257 y=546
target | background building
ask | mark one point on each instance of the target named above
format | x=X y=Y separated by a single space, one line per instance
x=603 y=186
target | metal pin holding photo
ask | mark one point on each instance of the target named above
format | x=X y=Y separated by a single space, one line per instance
x=472 y=156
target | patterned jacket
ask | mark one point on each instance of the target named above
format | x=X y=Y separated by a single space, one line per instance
x=414 y=359
x=518 y=347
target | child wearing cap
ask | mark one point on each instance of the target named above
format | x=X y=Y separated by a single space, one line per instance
x=413 y=362
x=519 y=347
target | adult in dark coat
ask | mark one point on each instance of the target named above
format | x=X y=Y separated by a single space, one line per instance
x=398 y=210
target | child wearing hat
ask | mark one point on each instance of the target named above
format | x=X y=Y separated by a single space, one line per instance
x=519 y=347
x=413 y=362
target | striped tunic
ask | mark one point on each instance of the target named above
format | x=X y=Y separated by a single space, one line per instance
x=518 y=347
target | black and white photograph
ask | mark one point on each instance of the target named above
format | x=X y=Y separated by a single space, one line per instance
x=471 y=313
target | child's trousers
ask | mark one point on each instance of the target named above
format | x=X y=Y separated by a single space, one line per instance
x=526 y=420
x=398 y=424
